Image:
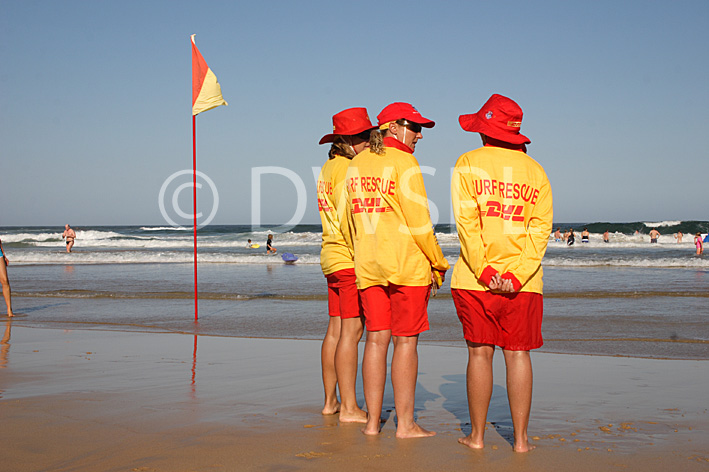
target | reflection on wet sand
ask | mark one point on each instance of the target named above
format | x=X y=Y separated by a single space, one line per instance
x=193 y=385
x=5 y=345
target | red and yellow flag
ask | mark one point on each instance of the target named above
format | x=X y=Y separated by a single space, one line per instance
x=206 y=91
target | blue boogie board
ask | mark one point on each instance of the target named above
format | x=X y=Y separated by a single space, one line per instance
x=289 y=258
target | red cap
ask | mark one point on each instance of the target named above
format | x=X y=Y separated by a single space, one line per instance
x=348 y=123
x=406 y=111
x=500 y=118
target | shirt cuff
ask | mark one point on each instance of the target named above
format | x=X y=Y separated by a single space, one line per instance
x=487 y=275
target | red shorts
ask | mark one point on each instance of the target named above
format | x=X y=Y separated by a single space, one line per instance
x=401 y=309
x=342 y=294
x=512 y=321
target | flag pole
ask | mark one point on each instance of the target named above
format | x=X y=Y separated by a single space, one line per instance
x=194 y=209
x=206 y=94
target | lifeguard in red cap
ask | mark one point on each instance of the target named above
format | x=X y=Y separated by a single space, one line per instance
x=389 y=229
x=339 y=354
x=503 y=211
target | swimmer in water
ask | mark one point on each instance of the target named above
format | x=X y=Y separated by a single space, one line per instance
x=571 y=239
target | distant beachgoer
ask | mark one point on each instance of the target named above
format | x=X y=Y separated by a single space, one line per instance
x=249 y=244
x=557 y=235
x=606 y=237
x=698 y=242
x=497 y=282
x=637 y=232
x=654 y=235
x=571 y=239
x=339 y=353
x=584 y=235
x=5 y=281
x=269 y=245
x=678 y=236
x=389 y=229
x=69 y=235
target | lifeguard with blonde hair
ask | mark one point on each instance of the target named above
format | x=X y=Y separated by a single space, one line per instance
x=397 y=257
x=339 y=353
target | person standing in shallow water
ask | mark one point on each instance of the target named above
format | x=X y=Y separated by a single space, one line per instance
x=497 y=282
x=339 y=352
x=5 y=281
x=585 y=235
x=69 y=235
x=571 y=239
x=699 y=243
x=654 y=236
x=389 y=229
x=269 y=245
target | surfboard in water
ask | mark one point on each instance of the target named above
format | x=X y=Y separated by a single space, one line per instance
x=289 y=258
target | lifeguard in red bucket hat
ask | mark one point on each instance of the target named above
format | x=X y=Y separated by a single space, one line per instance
x=502 y=203
x=390 y=232
x=350 y=135
x=500 y=118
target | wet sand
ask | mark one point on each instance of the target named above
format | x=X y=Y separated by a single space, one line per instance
x=89 y=400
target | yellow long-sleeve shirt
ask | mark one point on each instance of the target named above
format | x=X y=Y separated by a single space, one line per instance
x=335 y=254
x=502 y=203
x=388 y=224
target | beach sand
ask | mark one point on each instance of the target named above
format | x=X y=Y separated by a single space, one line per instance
x=92 y=400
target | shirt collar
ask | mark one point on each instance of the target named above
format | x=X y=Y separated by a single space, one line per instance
x=395 y=143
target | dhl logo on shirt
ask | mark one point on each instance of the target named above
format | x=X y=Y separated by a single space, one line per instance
x=369 y=205
x=506 y=212
x=323 y=205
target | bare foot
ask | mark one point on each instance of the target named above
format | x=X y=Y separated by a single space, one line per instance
x=354 y=416
x=331 y=409
x=468 y=441
x=372 y=427
x=414 y=431
x=523 y=447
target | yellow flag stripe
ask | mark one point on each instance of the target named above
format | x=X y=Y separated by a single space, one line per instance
x=210 y=96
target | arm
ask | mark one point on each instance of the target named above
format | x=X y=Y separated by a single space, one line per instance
x=342 y=211
x=414 y=206
x=467 y=219
x=347 y=225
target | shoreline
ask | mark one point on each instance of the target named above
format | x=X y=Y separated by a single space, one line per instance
x=113 y=400
x=699 y=349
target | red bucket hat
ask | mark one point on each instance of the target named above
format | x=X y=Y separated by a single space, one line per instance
x=348 y=123
x=406 y=111
x=499 y=118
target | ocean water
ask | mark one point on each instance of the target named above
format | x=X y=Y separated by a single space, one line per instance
x=626 y=297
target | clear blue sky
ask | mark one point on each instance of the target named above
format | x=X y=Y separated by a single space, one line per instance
x=95 y=100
